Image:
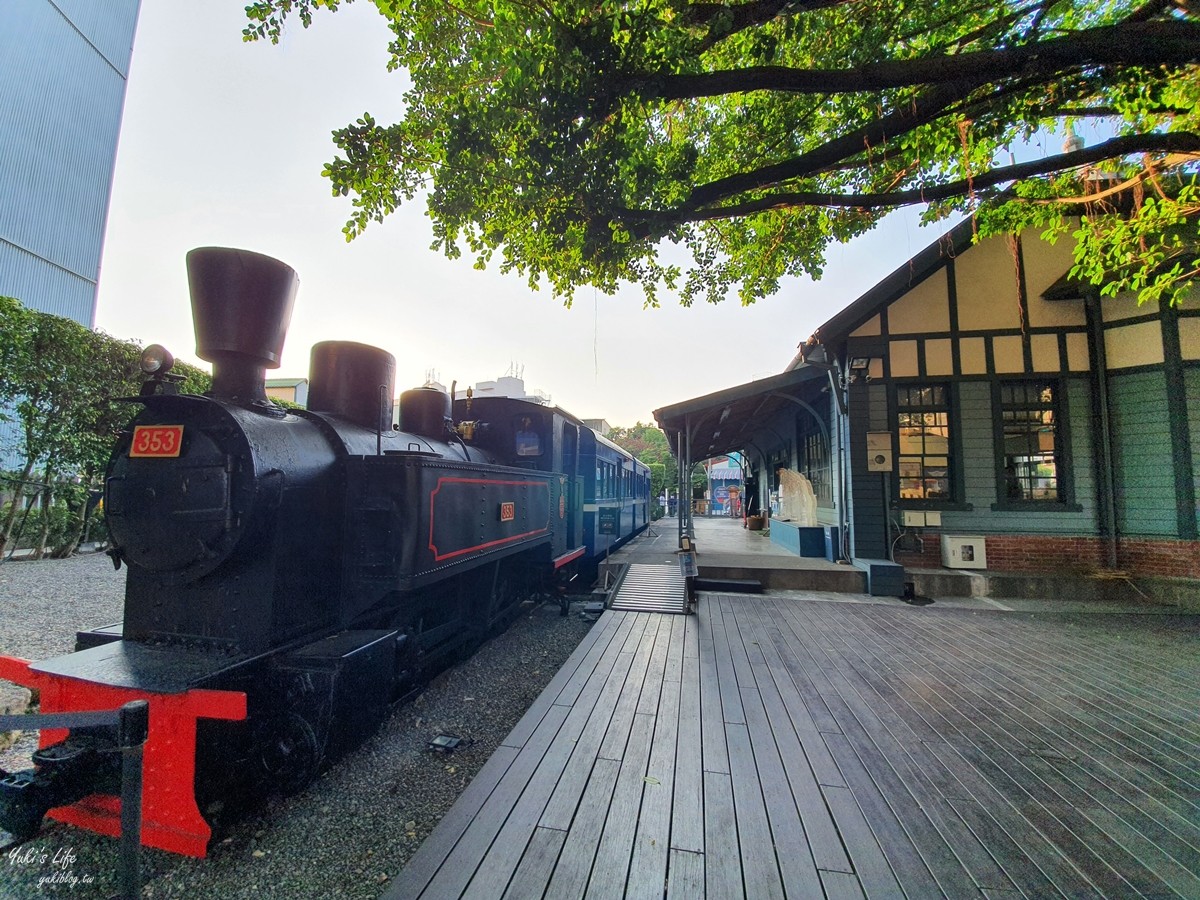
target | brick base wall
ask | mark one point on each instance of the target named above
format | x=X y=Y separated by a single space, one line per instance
x=1039 y=553
x=1043 y=553
x=1171 y=559
x=930 y=556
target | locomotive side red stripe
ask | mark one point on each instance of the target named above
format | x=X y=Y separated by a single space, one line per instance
x=440 y=556
x=560 y=561
x=488 y=545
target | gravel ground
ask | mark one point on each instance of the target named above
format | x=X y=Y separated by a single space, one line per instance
x=348 y=834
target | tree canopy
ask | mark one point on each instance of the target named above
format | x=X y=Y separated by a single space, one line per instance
x=61 y=383
x=576 y=140
x=649 y=444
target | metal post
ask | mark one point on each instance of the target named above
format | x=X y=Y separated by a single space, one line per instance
x=679 y=530
x=132 y=728
x=1102 y=427
x=690 y=532
x=709 y=487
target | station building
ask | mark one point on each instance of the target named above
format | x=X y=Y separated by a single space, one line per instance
x=979 y=410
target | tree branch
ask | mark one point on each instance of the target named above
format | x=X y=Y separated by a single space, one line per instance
x=1183 y=143
x=920 y=111
x=1150 y=172
x=973 y=109
x=747 y=15
x=1157 y=43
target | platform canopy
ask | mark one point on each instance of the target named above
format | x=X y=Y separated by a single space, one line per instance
x=725 y=472
x=733 y=419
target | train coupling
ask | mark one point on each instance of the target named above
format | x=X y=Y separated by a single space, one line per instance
x=63 y=773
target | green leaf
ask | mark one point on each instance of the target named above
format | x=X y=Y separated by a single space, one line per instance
x=574 y=144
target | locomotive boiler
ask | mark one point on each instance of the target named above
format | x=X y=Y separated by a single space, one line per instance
x=291 y=573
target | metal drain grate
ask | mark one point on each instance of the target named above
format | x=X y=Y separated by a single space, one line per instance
x=647 y=588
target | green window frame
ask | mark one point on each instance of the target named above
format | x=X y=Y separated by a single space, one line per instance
x=925 y=443
x=817 y=466
x=1030 y=443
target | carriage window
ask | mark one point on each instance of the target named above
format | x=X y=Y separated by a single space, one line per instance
x=527 y=442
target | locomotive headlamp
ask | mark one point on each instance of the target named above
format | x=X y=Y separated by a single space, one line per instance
x=157 y=360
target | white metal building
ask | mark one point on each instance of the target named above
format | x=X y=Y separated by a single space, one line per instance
x=63 y=67
x=63 y=70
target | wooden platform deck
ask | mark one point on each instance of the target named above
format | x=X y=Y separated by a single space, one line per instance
x=771 y=748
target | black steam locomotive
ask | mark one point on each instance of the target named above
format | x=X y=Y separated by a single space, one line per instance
x=292 y=572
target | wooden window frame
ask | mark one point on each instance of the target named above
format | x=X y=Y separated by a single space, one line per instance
x=1065 y=501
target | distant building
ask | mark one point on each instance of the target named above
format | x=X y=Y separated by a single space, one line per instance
x=724 y=492
x=600 y=426
x=64 y=66
x=509 y=386
x=293 y=390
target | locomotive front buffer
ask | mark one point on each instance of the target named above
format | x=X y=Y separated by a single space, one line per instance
x=75 y=779
x=338 y=690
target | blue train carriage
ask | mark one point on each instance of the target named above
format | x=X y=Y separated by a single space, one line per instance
x=616 y=498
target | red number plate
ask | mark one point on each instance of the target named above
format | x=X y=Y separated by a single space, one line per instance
x=156 y=440
x=508 y=512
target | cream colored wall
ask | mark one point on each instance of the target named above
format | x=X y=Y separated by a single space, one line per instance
x=1045 y=263
x=987 y=299
x=1008 y=354
x=1044 y=349
x=1078 y=356
x=986 y=286
x=972 y=353
x=1121 y=307
x=869 y=328
x=1189 y=338
x=903 y=358
x=939 y=358
x=924 y=309
x=986 y=290
x=1134 y=345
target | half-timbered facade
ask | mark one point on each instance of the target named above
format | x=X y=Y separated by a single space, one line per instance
x=977 y=398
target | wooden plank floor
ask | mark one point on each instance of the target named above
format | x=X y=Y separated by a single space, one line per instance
x=773 y=747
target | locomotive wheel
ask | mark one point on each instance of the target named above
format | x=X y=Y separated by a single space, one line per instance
x=502 y=599
x=291 y=756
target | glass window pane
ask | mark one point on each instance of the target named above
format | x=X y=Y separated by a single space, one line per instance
x=1030 y=442
x=923 y=441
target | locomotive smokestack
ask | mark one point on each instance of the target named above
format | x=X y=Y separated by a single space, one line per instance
x=241 y=306
x=353 y=380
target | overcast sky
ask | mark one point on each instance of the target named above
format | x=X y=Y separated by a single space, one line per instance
x=223 y=144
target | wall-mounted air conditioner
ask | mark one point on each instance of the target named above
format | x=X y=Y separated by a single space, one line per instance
x=961 y=551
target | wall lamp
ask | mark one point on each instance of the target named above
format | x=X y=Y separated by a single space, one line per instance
x=859 y=369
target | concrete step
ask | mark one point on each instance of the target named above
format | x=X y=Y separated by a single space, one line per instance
x=1100 y=586
x=845 y=579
